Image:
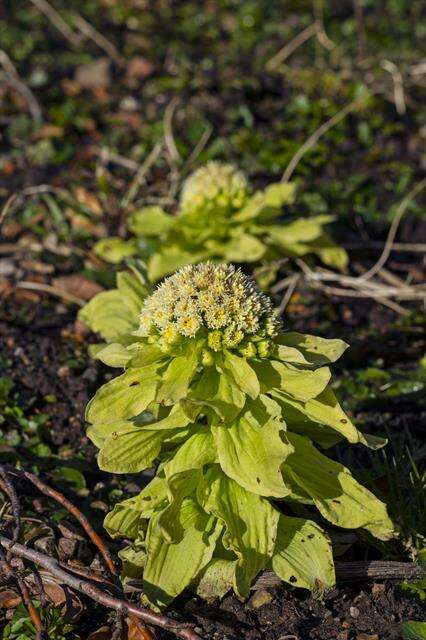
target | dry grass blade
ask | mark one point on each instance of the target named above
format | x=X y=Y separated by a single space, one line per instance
x=313 y=139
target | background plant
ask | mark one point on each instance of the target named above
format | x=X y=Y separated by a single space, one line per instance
x=220 y=218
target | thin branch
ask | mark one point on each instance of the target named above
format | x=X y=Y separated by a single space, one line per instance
x=360 y=571
x=103 y=43
x=168 y=129
x=290 y=290
x=58 y=22
x=140 y=176
x=6 y=207
x=47 y=288
x=199 y=147
x=290 y=47
x=402 y=208
x=415 y=247
x=69 y=506
x=181 y=630
x=398 y=86
x=7 y=570
x=313 y=139
x=7 y=486
x=33 y=106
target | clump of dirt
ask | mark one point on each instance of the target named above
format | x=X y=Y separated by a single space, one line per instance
x=370 y=612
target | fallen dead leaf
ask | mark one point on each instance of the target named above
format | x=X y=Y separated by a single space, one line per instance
x=139 y=68
x=77 y=285
x=136 y=630
x=9 y=599
x=103 y=633
x=89 y=200
x=48 y=131
x=94 y=74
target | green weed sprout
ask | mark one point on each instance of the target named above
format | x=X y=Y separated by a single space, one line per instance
x=219 y=218
x=230 y=409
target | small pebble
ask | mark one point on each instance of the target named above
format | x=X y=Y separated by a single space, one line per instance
x=259 y=598
x=354 y=612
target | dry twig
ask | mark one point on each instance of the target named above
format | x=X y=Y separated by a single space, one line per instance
x=316 y=135
x=58 y=22
x=140 y=176
x=69 y=506
x=47 y=288
x=181 y=630
x=7 y=570
x=103 y=43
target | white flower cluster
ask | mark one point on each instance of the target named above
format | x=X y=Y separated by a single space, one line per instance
x=216 y=187
x=215 y=298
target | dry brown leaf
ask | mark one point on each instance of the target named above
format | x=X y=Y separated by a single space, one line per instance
x=9 y=599
x=136 y=630
x=139 y=68
x=89 y=200
x=103 y=633
x=77 y=285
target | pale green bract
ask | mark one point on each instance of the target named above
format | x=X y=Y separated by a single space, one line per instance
x=220 y=218
x=228 y=407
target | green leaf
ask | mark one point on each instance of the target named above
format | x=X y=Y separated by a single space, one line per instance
x=131 y=450
x=114 y=355
x=250 y=521
x=172 y=258
x=243 y=374
x=301 y=383
x=216 y=579
x=336 y=494
x=177 y=378
x=268 y=203
x=115 y=249
x=333 y=256
x=252 y=450
x=220 y=392
x=243 y=248
x=325 y=409
x=301 y=230
x=176 y=419
x=316 y=351
x=413 y=630
x=125 y=520
x=125 y=396
x=196 y=452
x=279 y=193
x=150 y=221
x=133 y=560
x=170 y=568
x=133 y=291
x=106 y=314
x=303 y=555
x=144 y=354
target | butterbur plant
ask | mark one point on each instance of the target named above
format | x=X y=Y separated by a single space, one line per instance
x=220 y=218
x=231 y=410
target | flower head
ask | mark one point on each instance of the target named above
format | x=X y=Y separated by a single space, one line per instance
x=217 y=187
x=214 y=301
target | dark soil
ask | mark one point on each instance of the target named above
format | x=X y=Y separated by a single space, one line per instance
x=47 y=358
x=374 y=610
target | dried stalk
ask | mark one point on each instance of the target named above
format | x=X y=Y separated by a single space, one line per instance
x=69 y=506
x=181 y=630
x=313 y=139
x=10 y=574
